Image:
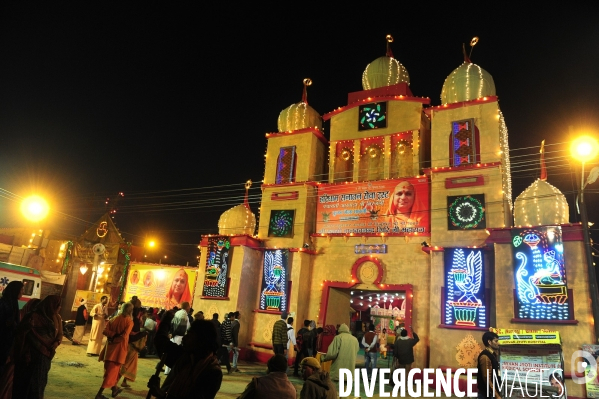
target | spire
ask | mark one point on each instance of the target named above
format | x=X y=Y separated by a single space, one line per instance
x=466 y=58
x=248 y=184
x=543 y=168
x=307 y=82
x=389 y=41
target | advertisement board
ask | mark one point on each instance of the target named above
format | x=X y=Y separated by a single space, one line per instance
x=531 y=365
x=159 y=285
x=592 y=384
x=91 y=299
x=393 y=207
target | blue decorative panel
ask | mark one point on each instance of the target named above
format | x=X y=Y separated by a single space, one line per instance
x=274 y=280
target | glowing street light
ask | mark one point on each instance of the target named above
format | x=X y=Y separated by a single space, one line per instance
x=151 y=244
x=34 y=208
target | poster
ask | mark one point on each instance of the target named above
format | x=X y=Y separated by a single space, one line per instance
x=274 y=296
x=393 y=207
x=593 y=384
x=92 y=298
x=464 y=288
x=160 y=286
x=217 y=267
x=540 y=274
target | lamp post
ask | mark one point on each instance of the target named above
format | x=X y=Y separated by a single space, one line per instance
x=585 y=149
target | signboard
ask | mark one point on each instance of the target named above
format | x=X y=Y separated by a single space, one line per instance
x=524 y=337
x=593 y=384
x=540 y=274
x=160 y=286
x=464 y=288
x=92 y=298
x=393 y=207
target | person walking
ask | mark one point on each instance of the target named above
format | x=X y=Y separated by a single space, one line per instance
x=9 y=318
x=38 y=336
x=235 y=340
x=303 y=341
x=342 y=351
x=279 y=336
x=137 y=340
x=488 y=368
x=226 y=341
x=99 y=316
x=115 y=350
x=179 y=327
x=80 y=322
x=403 y=349
x=150 y=328
x=275 y=384
x=370 y=344
x=318 y=384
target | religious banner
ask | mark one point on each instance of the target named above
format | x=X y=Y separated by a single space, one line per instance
x=91 y=299
x=393 y=207
x=217 y=267
x=160 y=286
x=540 y=274
x=275 y=279
x=464 y=288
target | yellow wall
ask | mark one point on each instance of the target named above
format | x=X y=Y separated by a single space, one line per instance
x=305 y=215
x=310 y=153
x=486 y=119
x=494 y=207
x=401 y=117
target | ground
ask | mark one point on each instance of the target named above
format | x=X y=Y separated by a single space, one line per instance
x=74 y=375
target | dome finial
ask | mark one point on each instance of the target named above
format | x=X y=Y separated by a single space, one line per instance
x=466 y=58
x=472 y=44
x=389 y=41
x=307 y=82
x=543 y=167
x=248 y=184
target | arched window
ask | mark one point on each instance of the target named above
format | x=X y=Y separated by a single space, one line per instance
x=372 y=163
x=344 y=164
x=464 y=145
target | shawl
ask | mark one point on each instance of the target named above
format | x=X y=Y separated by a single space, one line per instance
x=186 y=372
x=40 y=329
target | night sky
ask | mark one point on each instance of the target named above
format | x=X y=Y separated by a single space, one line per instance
x=170 y=105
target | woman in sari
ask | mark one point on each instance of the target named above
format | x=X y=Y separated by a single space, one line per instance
x=179 y=291
x=115 y=351
x=38 y=336
x=405 y=208
x=9 y=318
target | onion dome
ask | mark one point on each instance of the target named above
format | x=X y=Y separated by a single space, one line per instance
x=384 y=71
x=238 y=220
x=300 y=115
x=467 y=82
x=541 y=203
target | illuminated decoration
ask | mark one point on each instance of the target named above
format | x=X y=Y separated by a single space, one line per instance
x=102 y=230
x=370 y=249
x=83 y=268
x=240 y=219
x=217 y=267
x=372 y=116
x=466 y=212
x=274 y=281
x=281 y=223
x=286 y=165
x=384 y=71
x=124 y=250
x=464 y=288
x=300 y=115
x=506 y=170
x=67 y=256
x=541 y=287
x=463 y=143
x=541 y=204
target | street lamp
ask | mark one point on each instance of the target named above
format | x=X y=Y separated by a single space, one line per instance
x=35 y=209
x=584 y=149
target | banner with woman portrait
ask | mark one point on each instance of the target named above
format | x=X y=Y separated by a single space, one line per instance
x=160 y=286
x=393 y=207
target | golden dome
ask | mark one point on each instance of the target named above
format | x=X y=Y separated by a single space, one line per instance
x=384 y=71
x=298 y=116
x=467 y=82
x=237 y=220
x=541 y=204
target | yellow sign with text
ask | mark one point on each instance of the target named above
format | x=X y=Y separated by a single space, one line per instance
x=524 y=337
x=160 y=286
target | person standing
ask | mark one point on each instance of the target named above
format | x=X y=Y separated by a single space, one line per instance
x=38 y=336
x=383 y=338
x=150 y=328
x=226 y=341
x=80 y=322
x=179 y=326
x=279 y=336
x=291 y=341
x=318 y=383
x=403 y=349
x=9 y=318
x=114 y=352
x=342 y=351
x=137 y=340
x=369 y=342
x=99 y=316
x=235 y=340
x=488 y=368
x=304 y=345
x=274 y=384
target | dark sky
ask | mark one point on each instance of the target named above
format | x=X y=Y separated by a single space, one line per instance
x=170 y=104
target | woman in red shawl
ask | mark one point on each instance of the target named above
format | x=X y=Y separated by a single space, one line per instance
x=38 y=336
x=115 y=351
x=179 y=291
